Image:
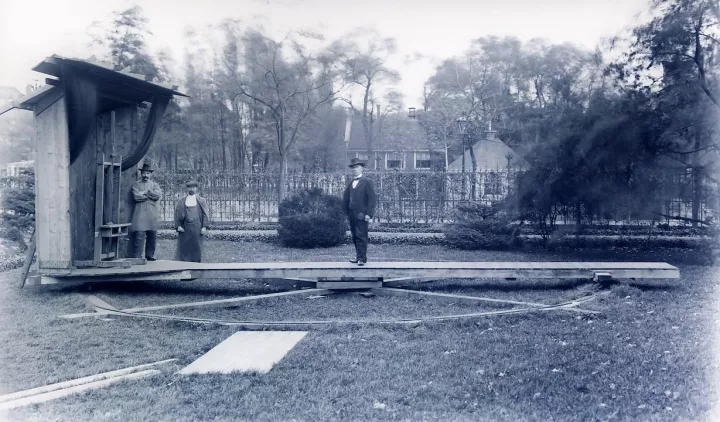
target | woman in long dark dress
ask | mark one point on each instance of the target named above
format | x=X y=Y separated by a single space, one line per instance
x=191 y=220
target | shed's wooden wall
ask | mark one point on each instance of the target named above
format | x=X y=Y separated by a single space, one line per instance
x=83 y=173
x=52 y=187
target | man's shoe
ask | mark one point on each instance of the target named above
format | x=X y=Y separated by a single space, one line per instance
x=361 y=263
x=354 y=261
x=151 y=259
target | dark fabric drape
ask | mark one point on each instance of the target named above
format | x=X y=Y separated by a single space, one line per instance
x=81 y=103
x=157 y=111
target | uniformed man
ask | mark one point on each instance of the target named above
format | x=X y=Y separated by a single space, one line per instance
x=359 y=204
x=191 y=220
x=144 y=224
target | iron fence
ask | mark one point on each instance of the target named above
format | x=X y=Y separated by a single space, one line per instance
x=404 y=196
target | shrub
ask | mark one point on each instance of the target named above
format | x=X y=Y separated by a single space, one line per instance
x=478 y=226
x=311 y=219
x=18 y=203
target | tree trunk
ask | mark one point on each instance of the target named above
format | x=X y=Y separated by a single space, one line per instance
x=282 y=179
x=239 y=144
x=696 y=194
x=367 y=122
x=464 y=182
x=223 y=141
x=474 y=171
x=447 y=164
x=696 y=181
x=282 y=149
x=578 y=217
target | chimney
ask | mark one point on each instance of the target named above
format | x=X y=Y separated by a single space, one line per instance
x=348 y=127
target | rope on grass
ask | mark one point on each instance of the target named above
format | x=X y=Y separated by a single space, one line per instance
x=392 y=321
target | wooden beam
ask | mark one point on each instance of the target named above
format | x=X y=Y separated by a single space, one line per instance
x=102 y=264
x=602 y=277
x=39 y=279
x=116 y=207
x=50 y=98
x=28 y=260
x=43 y=397
x=94 y=302
x=120 y=99
x=386 y=270
x=80 y=381
x=348 y=285
x=472 y=300
x=210 y=303
x=99 y=201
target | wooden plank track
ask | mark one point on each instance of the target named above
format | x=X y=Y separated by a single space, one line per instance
x=472 y=300
x=99 y=311
x=163 y=270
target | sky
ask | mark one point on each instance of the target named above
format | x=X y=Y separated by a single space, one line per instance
x=426 y=31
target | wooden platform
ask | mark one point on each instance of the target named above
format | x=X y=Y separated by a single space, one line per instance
x=372 y=273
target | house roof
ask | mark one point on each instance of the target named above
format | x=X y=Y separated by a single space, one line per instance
x=397 y=132
x=491 y=153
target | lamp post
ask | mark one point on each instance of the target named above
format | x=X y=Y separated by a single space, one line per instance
x=462 y=123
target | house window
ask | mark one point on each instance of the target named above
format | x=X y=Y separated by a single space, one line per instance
x=493 y=185
x=394 y=160
x=422 y=160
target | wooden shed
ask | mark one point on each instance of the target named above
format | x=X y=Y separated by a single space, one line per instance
x=90 y=140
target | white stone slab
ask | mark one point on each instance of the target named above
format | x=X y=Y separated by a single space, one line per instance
x=246 y=351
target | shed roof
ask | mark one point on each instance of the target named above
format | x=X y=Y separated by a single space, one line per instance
x=127 y=85
x=113 y=86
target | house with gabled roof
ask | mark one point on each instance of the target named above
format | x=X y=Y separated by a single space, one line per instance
x=491 y=154
x=400 y=143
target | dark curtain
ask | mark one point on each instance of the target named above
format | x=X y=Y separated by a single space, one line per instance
x=157 y=110
x=81 y=102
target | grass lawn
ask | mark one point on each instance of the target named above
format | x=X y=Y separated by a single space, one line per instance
x=647 y=356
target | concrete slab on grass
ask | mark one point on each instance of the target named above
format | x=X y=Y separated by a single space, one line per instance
x=246 y=351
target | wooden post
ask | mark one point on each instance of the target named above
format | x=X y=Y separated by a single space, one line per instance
x=110 y=178
x=28 y=261
x=99 y=201
x=52 y=179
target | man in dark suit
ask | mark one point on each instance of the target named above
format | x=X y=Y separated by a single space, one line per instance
x=359 y=204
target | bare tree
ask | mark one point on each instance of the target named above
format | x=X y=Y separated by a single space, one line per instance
x=364 y=56
x=288 y=81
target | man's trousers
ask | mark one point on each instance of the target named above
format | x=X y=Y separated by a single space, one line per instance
x=359 y=230
x=138 y=238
